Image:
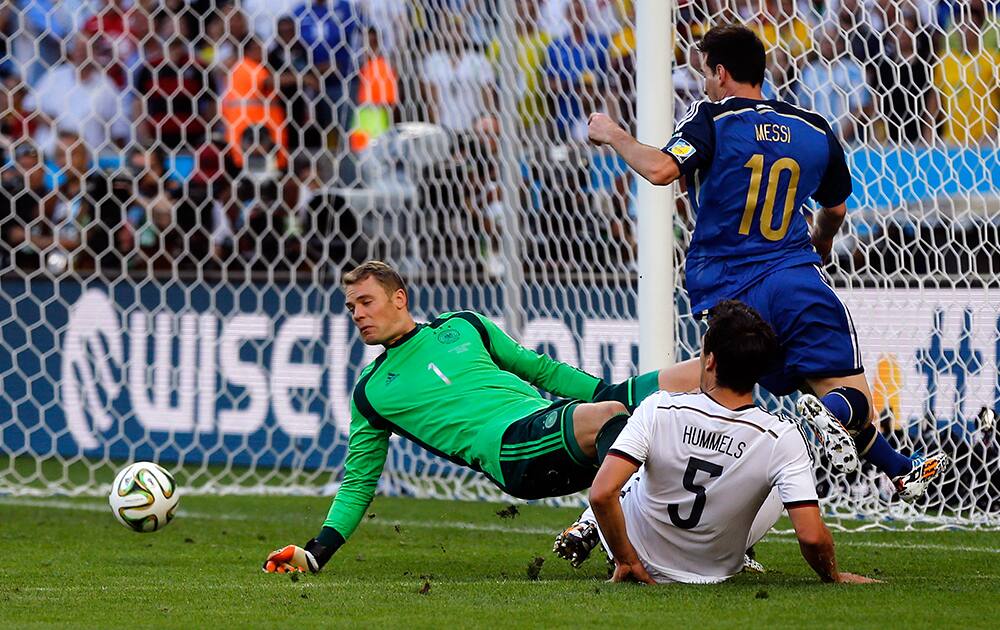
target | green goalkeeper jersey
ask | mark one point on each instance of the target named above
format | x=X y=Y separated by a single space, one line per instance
x=452 y=386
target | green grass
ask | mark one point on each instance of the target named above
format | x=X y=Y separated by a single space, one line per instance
x=67 y=562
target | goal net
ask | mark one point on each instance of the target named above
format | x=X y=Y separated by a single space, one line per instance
x=185 y=182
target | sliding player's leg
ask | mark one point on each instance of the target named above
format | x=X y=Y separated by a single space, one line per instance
x=767 y=516
x=577 y=541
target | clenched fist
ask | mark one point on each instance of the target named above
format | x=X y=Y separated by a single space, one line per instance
x=601 y=129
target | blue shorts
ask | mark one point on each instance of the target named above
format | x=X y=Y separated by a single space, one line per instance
x=813 y=325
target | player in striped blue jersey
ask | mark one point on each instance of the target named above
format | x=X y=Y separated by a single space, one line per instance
x=750 y=164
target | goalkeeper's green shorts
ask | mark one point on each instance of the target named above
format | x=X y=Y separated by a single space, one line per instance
x=539 y=457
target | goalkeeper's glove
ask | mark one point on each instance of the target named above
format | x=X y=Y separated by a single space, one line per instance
x=292 y=558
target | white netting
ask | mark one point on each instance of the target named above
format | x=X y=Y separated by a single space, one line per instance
x=184 y=182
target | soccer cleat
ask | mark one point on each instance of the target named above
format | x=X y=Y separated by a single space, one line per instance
x=750 y=565
x=576 y=542
x=987 y=419
x=837 y=441
x=914 y=484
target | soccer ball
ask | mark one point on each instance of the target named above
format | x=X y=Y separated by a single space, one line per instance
x=144 y=497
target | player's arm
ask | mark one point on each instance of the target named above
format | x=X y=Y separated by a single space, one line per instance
x=826 y=226
x=831 y=194
x=791 y=472
x=650 y=162
x=815 y=541
x=605 y=501
x=816 y=545
x=691 y=147
x=630 y=450
x=366 y=453
x=540 y=370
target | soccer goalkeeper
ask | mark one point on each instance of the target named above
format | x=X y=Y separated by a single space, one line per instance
x=462 y=389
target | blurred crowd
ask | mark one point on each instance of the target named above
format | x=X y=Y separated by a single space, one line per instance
x=145 y=136
x=882 y=71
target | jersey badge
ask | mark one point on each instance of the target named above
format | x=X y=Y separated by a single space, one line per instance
x=550 y=420
x=448 y=335
x=681 y=149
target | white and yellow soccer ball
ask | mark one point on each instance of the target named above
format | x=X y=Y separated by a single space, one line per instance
x=144 y=497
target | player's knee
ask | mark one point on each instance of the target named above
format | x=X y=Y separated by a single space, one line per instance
x=851 y=407
x=599 y=414
x=612 y=408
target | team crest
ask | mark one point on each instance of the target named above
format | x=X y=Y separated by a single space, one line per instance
x=448 y=335
x=550 y=420
x=681 y=149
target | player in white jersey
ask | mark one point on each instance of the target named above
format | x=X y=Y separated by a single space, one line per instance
x=709 y=462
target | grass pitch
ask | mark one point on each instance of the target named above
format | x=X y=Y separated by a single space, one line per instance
x=437 y=564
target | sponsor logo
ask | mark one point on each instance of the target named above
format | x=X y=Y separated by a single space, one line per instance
x=88 y=372
x=390 y=377
x=171 y=369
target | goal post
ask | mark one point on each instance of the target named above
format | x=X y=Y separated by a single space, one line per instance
x=655 y=205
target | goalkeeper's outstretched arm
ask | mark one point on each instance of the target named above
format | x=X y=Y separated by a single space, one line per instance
x=366 y=454
x=560 y=378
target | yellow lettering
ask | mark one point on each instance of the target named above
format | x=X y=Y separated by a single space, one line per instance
x=770 y=132
x=756 y=166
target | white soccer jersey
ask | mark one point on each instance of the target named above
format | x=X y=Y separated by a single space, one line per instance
x=706 y=472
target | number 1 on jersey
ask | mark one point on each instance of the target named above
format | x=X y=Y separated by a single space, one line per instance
x=436 y=370
x=756 y=166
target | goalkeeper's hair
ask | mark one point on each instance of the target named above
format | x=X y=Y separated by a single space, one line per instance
x=744 y=345
x=737 y=49
x=383 y=273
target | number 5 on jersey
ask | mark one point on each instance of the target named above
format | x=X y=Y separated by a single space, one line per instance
x=694 y=466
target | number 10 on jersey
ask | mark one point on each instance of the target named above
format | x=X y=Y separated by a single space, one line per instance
x=756 y=166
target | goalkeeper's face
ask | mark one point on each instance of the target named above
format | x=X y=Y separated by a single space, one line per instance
x=380 y=314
